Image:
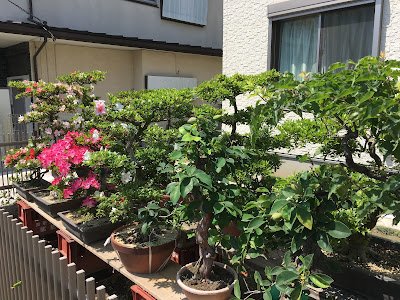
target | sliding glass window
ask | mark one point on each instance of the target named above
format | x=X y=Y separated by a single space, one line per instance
x=314 y=42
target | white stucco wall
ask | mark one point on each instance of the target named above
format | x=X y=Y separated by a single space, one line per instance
x=245 y=48
x=121 y=17
x=245 y=34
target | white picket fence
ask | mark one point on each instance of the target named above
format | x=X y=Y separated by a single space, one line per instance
x=43 y=274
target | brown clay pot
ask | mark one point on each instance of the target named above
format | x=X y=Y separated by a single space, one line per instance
x=137 y=259
x=193 y=294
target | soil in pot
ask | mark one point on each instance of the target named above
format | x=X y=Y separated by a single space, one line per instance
x=52 y=204
x=219 y=278
x=143 y=253
x=85 y=222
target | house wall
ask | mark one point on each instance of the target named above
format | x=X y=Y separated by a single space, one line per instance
x=121 y=17
x=126 y=69
x=5 y=110
x=245 y=48
x=245 y=36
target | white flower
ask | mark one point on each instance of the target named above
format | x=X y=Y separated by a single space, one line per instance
x=99 y=194
x=86 y=156
x=21 y=119
x=78 y=120
x=76 y=101
x=96 y=135
x=113 y=210
x=119 y=107
x=124 y=126
x=177 y=147
x=126 y=177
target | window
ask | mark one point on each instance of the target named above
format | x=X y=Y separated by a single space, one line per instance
x=186 y=11
x=311 y=41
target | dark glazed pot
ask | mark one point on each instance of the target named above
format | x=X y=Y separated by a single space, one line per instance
x=24 y=192
x=53 y=208
x=89 y=233
x=137 y=260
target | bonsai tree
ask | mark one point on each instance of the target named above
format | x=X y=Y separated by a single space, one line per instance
x=51 y=99
x=203 y=161
x=355 y=117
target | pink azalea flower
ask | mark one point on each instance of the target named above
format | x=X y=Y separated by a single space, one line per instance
x=62 y=108
x=48 y=131
x=39 y=89
x=67 y=193
x=56 y=180
x=100 y=107
x=90 y=202
x=33 y=105
x=28 y=90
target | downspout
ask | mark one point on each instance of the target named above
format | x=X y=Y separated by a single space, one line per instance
x=35 y=69
x=31 y=19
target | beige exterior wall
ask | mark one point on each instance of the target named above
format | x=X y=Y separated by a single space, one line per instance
x=126 y=69
x=5 y=111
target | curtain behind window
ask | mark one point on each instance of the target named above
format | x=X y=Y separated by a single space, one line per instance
x=298 y=45
x=346 y=34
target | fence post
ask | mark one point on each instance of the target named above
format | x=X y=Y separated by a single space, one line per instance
x=90 y=288
x=4 y=269
x=36 y=263
x=80 y=282
x=72 y=281
x=49 y=269
x=101 y=292
x=56 y=273
x=43 y=274
x=64 y=277
x=10 y=276
x=21 y=261
x=15 y=258
x=31 y=267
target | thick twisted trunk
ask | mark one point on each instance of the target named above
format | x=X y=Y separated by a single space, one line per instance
x=207 y=253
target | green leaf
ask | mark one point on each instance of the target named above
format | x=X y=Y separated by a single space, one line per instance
x=296 y=294
x=267 y=295
x=203 y=177
x=236 y=289
x=286 y=277
x=186 y=186
x=278 y=205
x=321 y=280
x=304 y=217
x=218 y=208
x=337 y=65
x=221 y=162
x=287 y=259
x=152 y=206
x=338 y=230
x=323 y=241
x=256 y=222
x=175 y=194
x=176 y=154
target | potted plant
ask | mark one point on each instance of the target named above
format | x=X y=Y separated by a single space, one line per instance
x=203 y=161
x=26 y=159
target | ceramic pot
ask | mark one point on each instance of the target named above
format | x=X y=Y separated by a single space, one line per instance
x=193 y=294
x=142 y=260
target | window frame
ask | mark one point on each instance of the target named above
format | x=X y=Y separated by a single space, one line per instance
x=293 y=9
x=146 y=2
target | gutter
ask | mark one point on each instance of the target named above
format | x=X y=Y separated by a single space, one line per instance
x=35 y=69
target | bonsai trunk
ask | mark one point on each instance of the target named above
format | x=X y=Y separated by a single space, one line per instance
x=207 y=253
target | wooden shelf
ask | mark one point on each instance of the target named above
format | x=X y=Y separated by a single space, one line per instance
x=161 y=285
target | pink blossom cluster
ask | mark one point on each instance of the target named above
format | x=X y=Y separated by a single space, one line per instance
x=78 y=183
x=64 y=153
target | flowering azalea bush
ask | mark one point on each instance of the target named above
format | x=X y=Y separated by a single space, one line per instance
x=64 y=96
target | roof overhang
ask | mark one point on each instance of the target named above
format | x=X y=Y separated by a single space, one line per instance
x=105 y=39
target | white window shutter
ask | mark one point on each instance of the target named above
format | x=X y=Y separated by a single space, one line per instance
x=191 y=11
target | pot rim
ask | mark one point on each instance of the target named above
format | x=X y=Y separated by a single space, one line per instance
x=207 y=293
x=130 y=247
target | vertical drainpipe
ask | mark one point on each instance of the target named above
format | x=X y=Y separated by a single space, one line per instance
x=35 y=69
